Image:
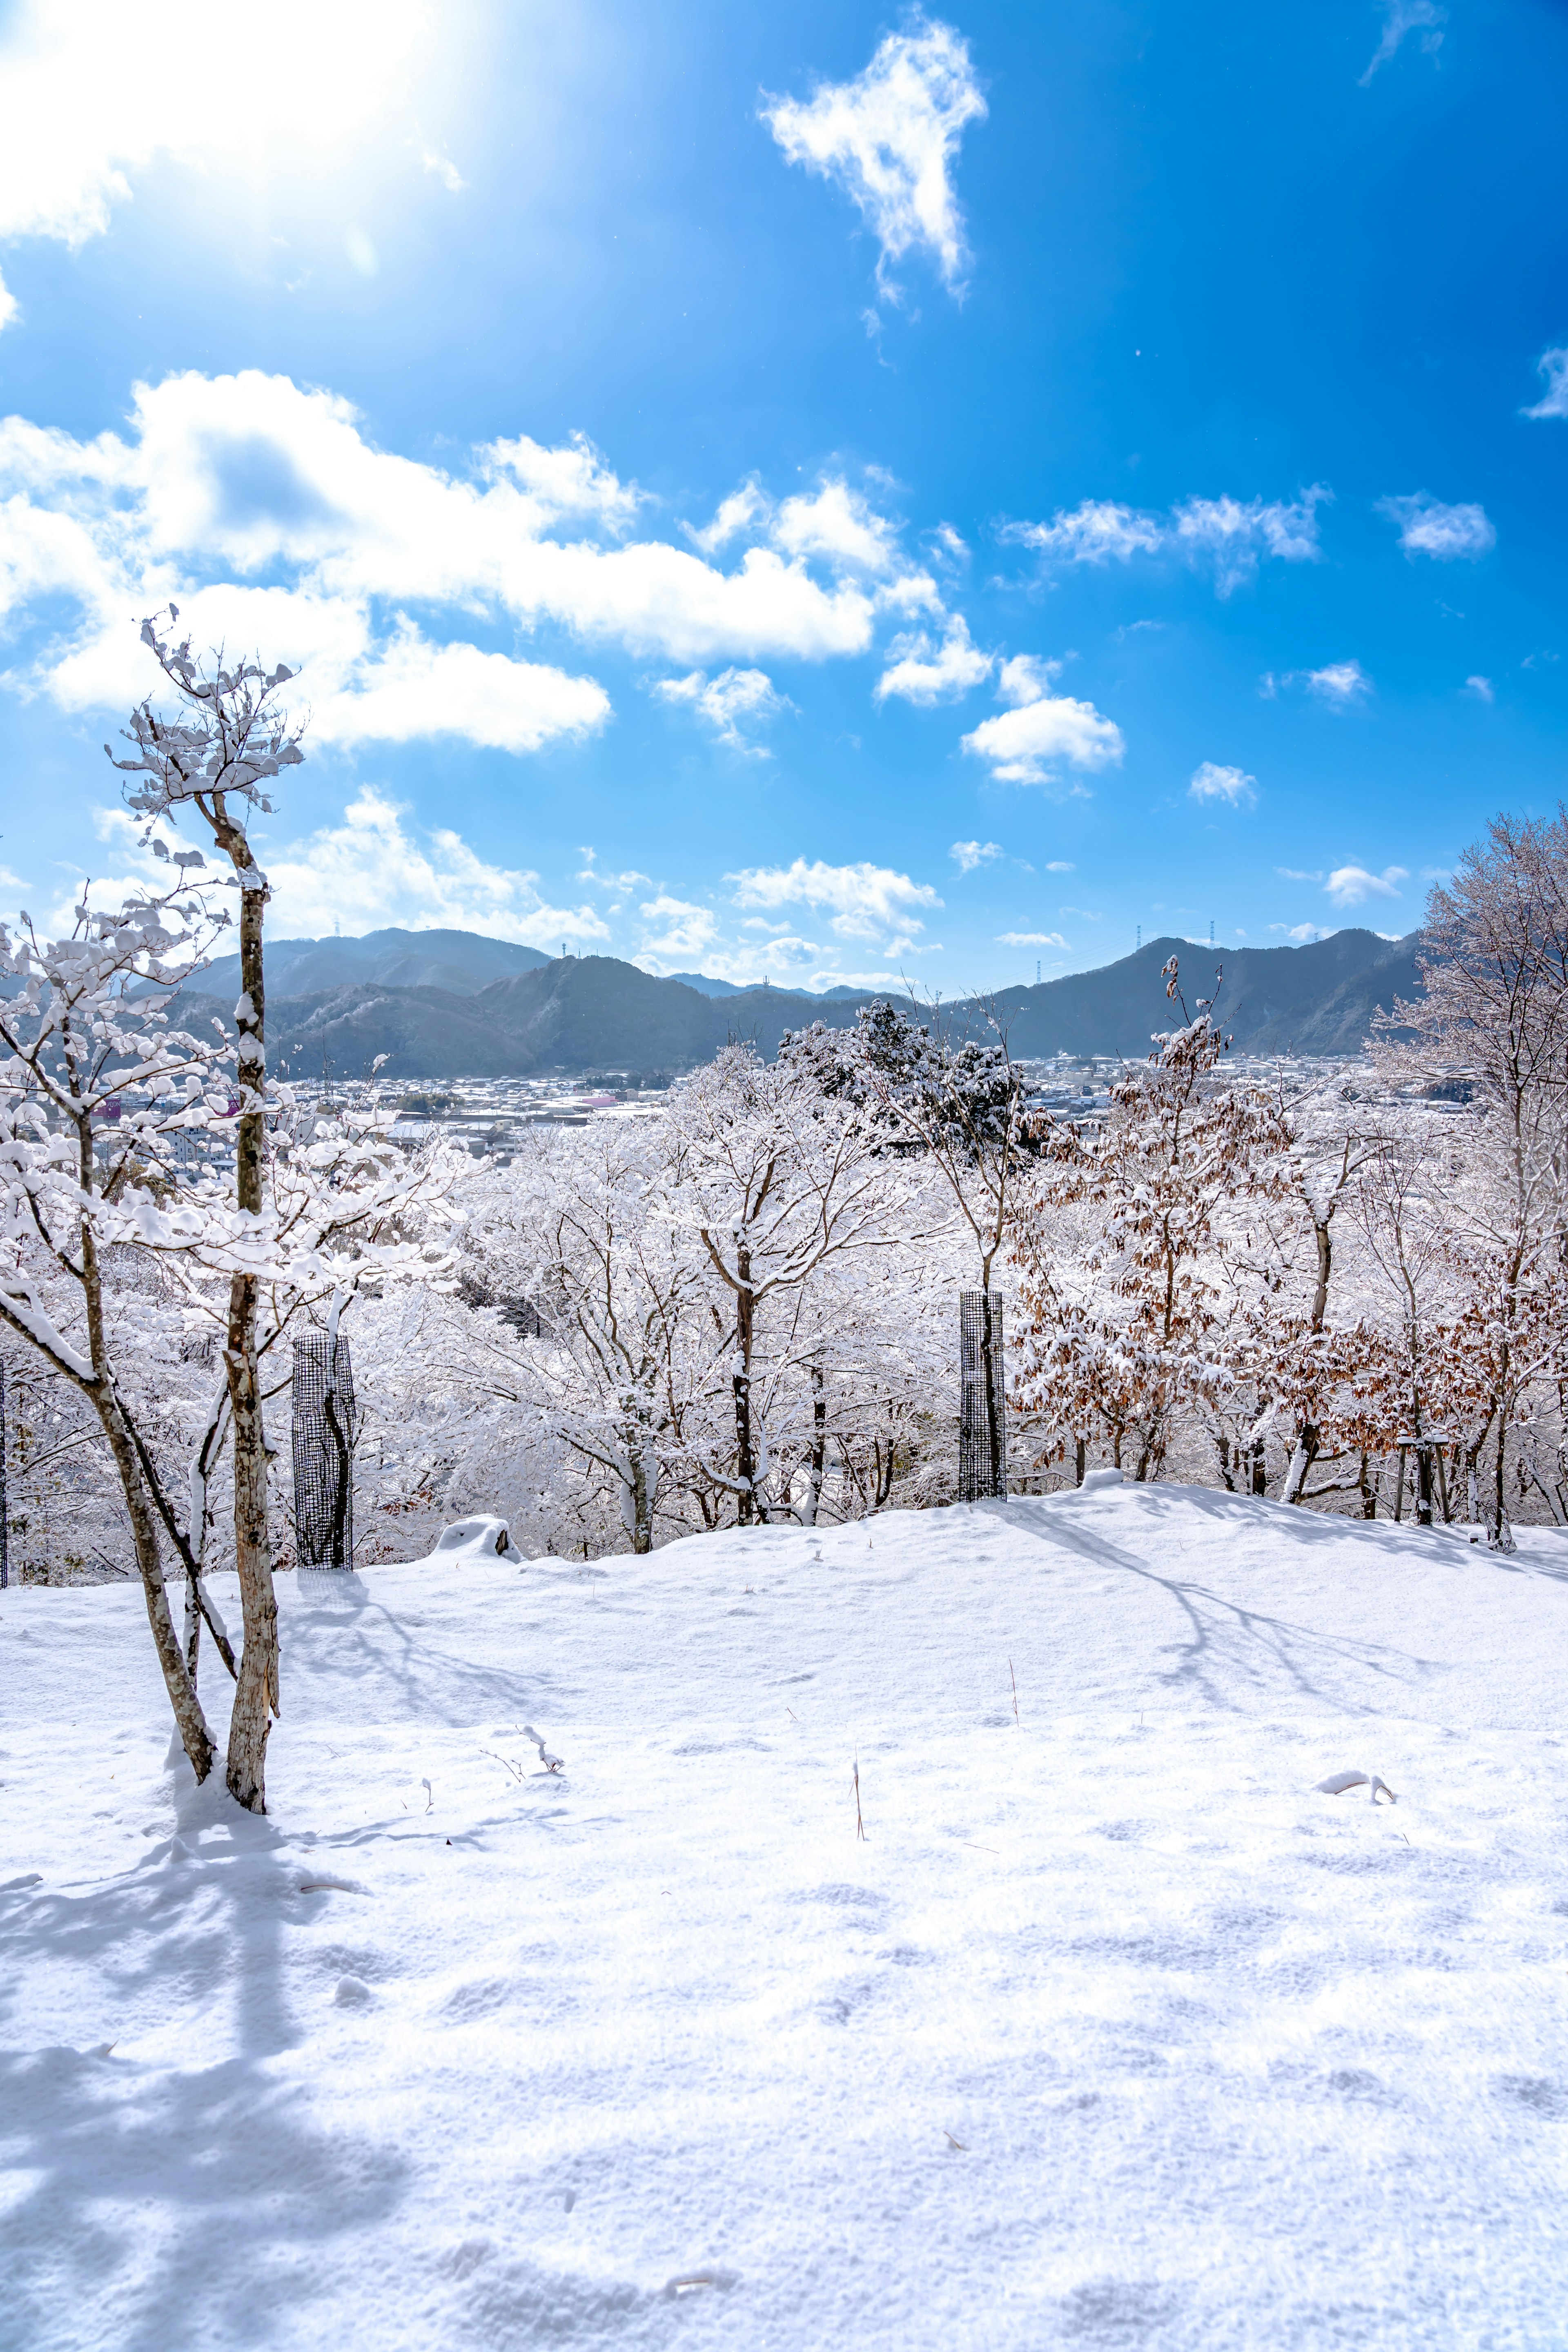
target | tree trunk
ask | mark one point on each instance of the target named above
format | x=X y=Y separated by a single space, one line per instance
x=192 y=1723
x=1423 y=1485
x=1306 y=1444
x=1257 y=1453
x=256 y=1697
x=1368 y=1492
x=1078 y=1457
x=642 y=1494
x=818 y=1445
x=745 y=1448
x=996 y=1425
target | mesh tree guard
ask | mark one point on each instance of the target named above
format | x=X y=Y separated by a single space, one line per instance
x=981 y=1410
x=323 y=1399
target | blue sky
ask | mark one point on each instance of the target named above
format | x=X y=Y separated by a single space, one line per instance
x=916 y=494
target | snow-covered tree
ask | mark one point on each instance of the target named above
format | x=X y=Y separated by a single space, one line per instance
x=1491 y=1029
x=1115 y=1342
x=76 y=1182
x=777 y=1181
x=214 y=762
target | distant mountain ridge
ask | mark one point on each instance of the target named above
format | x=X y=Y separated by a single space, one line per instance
x=706 y=985
x=462 y=962
x=596 y=1012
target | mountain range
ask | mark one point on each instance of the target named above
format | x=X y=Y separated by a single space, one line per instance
x=577 y=1013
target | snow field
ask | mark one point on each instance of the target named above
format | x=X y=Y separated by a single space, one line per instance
x=1230 y=2062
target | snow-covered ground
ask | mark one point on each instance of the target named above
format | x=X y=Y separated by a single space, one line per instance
x=1112 y=2033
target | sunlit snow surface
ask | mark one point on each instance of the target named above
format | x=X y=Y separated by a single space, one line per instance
x=1230 y=2062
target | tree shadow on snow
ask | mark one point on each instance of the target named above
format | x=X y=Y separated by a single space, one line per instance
x=174 y=2200
x=1226 y=1643
x=336 y=1630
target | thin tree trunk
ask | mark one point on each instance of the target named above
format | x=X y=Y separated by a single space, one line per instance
x=996 y=1406
x=192 y=1723
x=1302 y=1461
x=256 y=1697
x=818 y=1445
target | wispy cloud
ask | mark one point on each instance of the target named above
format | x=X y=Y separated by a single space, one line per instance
x=889 y=138
x=1481 y=688
x=1554 y=366
x=1032 y=940
x=1226 y=535
x=1402 y=17
x=1449 y=533
x=1341 y=685
x=967 y=855
x=1232 y=785
x=736 y=699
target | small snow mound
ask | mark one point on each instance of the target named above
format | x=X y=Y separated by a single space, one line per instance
x=477 y=1538
x=352 y=1992
x=1338 y=1783
x=1094 y=1478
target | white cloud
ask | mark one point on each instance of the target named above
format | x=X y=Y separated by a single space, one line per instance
x=968 y=854
x=743 y=511
x=1060 y=866
x=1231 y=533
x=1095 y=532
x=88 y=99
x=1030 y=743
x=445 y=170
x=373 y=870
x=1554 y=366
x=1402 y=17
x=1341 y=685
x=1026 y=677
x=1428 y=527
x=1481 y=687
x=734 y=698
x=622 y=882
x=890 y=139
x=1232 y=785
x=1296 y=873
x=1228 y=534
x=1352 y=886
x=1032 y=940
x=1301 y=932
x=418 y=690
x=682 y=930
x=864 y=898
x=308 y=542
x=924 y=672
x=840 y=525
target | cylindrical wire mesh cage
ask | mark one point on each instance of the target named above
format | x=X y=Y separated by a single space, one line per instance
x=323 y=1399
x=981 y=1408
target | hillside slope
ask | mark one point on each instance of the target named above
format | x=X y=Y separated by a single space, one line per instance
x=1113 y=2033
